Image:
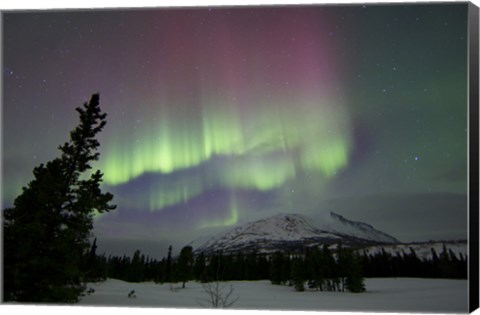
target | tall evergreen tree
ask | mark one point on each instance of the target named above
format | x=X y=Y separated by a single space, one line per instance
x=94 y=267
x=434 y=264
x=90 y=261
x=159 y=276
x=167 y=276
x=413 y=264
x=239 y=266
x=349 y=270
x=263 y=267
x=342 y=266
x=276 y=268
x=298 y=274
x=47 y=232
x=199 y=267
x=251 y=272
x=355 y=281
x=228 y=271
x=136 y=269
x=318 y=265
x=330 y=269
x=446 y=265
x=184 y=268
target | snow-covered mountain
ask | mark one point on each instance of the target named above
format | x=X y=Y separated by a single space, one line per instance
x=293 y=232
x=338 y=224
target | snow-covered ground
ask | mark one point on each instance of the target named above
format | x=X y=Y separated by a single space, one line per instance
x=383 y=295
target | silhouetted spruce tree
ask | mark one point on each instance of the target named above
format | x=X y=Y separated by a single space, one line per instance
x=95 y=267
x=417 y=269
x=446 y=263
x=167 y=276
x=286 y=265
x=342 y=266
x=228 y=270
x=330 y=269
x=47 y=232
x=366 y=264
x=355 y=281
x=455 y=265
x=349 y=270
x=318 y=264
x=90 y=262
x=308 y=265
x=184 y=270
x=398 y=263
x=239 y=264
x=434 y=264
x=384 y=263
x=212 y=269
x=250 y=265
x=160 y=271
x=276 y=264
x=263 y=268
x=136 y=269
x=149 y=268
x=462 y=266
x=199 y=267
x=298 y=274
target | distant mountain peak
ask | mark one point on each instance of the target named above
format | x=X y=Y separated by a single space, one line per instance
x=336 y=215
x=358 y=229
x=293 y=232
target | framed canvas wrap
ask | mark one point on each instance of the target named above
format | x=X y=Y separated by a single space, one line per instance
x=275 y=157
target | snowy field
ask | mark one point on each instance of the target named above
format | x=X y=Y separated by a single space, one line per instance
x=383 y=295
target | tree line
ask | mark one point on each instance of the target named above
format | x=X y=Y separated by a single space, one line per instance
x=408 y=264
x=317 y=268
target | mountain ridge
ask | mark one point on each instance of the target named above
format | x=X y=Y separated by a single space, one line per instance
x=293 y=232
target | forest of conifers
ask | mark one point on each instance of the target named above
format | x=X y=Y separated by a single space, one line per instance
x=319 y=268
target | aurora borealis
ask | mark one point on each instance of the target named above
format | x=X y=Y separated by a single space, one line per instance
x=218 y=116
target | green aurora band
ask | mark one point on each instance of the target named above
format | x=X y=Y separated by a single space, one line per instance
x=261 y=148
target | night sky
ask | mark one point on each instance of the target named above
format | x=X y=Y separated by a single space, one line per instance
x=219 y=116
